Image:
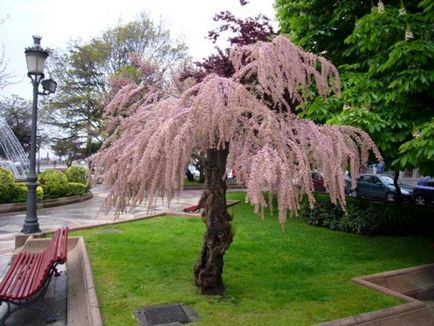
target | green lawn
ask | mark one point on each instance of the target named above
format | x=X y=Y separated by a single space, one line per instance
x=297 y=277
x=192 y=183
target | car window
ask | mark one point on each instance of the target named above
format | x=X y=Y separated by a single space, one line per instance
x=364 y=178
x=430 y=183
x=316 y=176
x=387 y=180
x=424 y=181
x=374 y=180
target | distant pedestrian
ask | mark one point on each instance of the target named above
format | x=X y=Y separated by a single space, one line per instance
x=229 y=176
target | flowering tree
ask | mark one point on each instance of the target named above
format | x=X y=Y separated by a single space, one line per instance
x=244 y=122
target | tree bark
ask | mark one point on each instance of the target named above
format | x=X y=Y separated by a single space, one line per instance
x=218 y=235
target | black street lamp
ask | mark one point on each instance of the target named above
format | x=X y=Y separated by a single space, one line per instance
x=35 y=57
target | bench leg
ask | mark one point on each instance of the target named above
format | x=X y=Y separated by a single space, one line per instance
x=7 y=314
x=28 y=304
x=56 y=272
x=48 y=318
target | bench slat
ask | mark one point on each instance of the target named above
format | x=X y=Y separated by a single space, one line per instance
x=63 y=249
x=6 y=282
x=17 y=275
x=29 y=271
x=21 y=276
x=41 y=274
x=31 y=279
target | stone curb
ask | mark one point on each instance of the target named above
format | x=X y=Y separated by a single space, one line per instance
x=414 y=312
x=410 y=284
x=18 y=207
x=92 y=310
x=139 y=217
x=386 y=317
x=231 y=186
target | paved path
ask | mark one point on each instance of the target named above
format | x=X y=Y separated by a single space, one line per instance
x=80 y=214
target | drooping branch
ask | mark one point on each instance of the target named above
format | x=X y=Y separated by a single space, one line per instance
x=280 y=68
x=269 y=150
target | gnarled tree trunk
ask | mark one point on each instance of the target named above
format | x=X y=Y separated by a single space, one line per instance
x=218 y=235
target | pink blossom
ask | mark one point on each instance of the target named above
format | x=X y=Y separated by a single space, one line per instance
x=270 y=150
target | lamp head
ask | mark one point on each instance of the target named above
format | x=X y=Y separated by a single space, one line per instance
x=49 y=86
x=35 y=57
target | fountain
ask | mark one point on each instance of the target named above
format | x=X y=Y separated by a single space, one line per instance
x=14 y=158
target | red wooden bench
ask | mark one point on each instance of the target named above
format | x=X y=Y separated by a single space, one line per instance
x=192 y=209
x=30 y=273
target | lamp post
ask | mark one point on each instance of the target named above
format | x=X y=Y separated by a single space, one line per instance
x=35 y=57
x=38 y=148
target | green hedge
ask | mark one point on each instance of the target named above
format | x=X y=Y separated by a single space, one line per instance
x=369 y=217
x=7 y=181
x=20 y=194
x=76 y=188
x=76 y=174
x=54 y=182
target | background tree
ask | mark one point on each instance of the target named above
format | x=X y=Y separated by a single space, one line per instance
x=18 y=115
x=393 y=81
x=230 y=119
x=387 y=74
x=241 y=31
x=320 y=26
x=83 y=72
x=67 y=149
x=76 y=106
x=5 y=75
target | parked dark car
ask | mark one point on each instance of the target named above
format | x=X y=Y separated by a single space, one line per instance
x=423 y=192
x=380 y=186
x=318 y=182
x=349 y=191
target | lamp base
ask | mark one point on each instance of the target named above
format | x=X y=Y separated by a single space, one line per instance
x=31 y=228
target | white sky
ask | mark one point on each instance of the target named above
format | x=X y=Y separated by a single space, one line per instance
x=60 y=21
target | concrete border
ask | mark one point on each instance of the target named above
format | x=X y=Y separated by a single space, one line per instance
x=19 y=207
x=415 y=312
x=83 y=308
x=401 y=283
x=141 y=217
x=398 y=283
x=200 y=186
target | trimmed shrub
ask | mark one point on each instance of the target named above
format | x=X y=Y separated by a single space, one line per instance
x=7 y=181
x=369 y=217
x=76 y=174
x=76 y=188
x=54 y=183
x=21 y=193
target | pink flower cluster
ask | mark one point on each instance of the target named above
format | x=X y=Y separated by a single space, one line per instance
x=270 y=150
